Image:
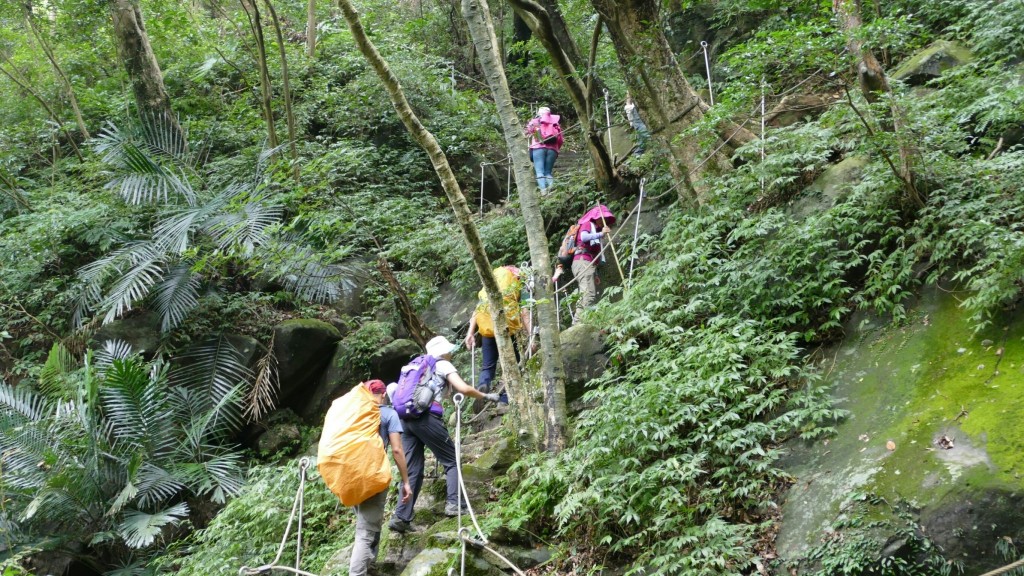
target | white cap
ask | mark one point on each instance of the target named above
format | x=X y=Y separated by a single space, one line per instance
x=391 y=392
x=543 y=110
x=438 y=346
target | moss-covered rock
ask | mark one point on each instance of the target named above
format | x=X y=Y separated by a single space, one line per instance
x=935 y=427
x=386 y=363
x=931 y=62
x=303 y=349
x=583 y=358
x=140 y=330
x=829 y=187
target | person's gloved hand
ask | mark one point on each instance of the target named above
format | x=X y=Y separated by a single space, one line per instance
x=492 y=397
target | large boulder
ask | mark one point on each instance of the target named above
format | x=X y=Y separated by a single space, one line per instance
x=450 y=311
x=281 y=434
x=583 y=358
x=387 y=362
x=829 y=187
x=930 y=63
x=141 y=330
x=303 y=349
x=932 y=446
x=797 y=107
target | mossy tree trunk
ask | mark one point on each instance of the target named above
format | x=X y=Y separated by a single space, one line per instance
x=477 y=15
x=668 y=104
x=426 y=140
x=310 y=28
x=286 y=89
x=547 y=25
x=139 y=61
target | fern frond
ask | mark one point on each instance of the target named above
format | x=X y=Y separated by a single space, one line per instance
x=139 y=529
x=246 y=227
x=301 y=270
x=134 y=285
x=213 y=370
x=262 y=397
x=23 y=403
x=111 y=350
x=53 y=377
x=176 y=296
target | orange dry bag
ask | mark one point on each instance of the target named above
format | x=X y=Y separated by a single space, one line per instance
x=351 y=456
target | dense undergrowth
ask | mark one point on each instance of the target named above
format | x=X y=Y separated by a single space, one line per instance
x=674 y=466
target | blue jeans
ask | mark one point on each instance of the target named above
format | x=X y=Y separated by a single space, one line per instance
x=489 y=349
x=543 y=163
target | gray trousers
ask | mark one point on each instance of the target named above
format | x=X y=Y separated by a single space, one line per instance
x=369 y=519
x=584 y=272
x=427 y=431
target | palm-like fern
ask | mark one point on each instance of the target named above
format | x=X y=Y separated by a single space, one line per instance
x=112 y=460
x=238 y=223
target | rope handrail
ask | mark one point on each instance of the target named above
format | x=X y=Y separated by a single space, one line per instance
x=1005 y=569
x=297 y=509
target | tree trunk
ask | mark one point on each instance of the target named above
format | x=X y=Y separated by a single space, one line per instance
x=311 y=28
x=451 y=188
x=521 y=34
x=477 y=15
x=287 y=89
x=139 y=61
x=546 y=28
x=873 y=83
x=667 y=103
x=417 y=329
x=68 y=89
x=252 y=13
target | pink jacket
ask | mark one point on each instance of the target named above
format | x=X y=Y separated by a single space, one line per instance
x=533 y=127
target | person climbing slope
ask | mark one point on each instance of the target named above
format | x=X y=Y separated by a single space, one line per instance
x=545 y=141
x=511 y=285
x=427 y=429
x=593 y=226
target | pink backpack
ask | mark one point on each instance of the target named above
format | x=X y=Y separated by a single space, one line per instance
x=546 y=133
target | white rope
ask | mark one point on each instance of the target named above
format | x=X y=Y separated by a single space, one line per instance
x=636 y=232
x=481 y=188
x=707 y=66
x=608 y=121
x=297 y=506
x=762 y=131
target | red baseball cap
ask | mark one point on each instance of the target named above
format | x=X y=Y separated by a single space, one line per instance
x=375 y=386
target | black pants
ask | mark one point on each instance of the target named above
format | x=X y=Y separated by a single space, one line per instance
x=427 y=431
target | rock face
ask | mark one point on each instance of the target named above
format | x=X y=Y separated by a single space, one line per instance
x=450 y=310
x=931 y=62
x=583 y=358
x=934 y=431
x=829 y=187
x=142 y=331
x=302 y=348
x=282 y=435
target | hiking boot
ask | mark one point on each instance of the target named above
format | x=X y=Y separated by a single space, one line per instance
x=398 y=525
x=451 y=509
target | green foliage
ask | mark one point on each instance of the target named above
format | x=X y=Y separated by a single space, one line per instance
x=106 y=455
x=248 y=531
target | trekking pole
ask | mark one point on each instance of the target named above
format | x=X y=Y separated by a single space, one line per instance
x=636 y=230
x=614 y=255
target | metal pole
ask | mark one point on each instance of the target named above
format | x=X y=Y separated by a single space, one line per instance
x=762 y=133
x=707 y=66
x=481 y=188
x=608 y=122
x=508 y=180
x=636 y=231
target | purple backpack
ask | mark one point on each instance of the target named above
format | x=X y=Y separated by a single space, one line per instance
x=415 y=393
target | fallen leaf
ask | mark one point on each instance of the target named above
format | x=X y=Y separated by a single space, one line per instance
x=890 y=445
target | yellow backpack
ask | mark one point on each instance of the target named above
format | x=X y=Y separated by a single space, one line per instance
x=351 y=456
x=510 y=286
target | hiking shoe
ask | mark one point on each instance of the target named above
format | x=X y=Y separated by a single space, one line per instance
x=451 y=509
x=398 y=525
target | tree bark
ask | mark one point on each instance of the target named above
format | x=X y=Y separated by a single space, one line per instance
x=311 y=28
x=252 y=13
x=545 y=27
x=426 y=140
x=68 y=89
x=477 y=15
x=139 y=61
x=287 y=89
x=667 y=103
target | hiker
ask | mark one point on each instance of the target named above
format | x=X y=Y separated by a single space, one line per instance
x=511 y=285
x=641 y=134
x=593 y=226
x=429 y=430
x=545 y=141
x=370 y=514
